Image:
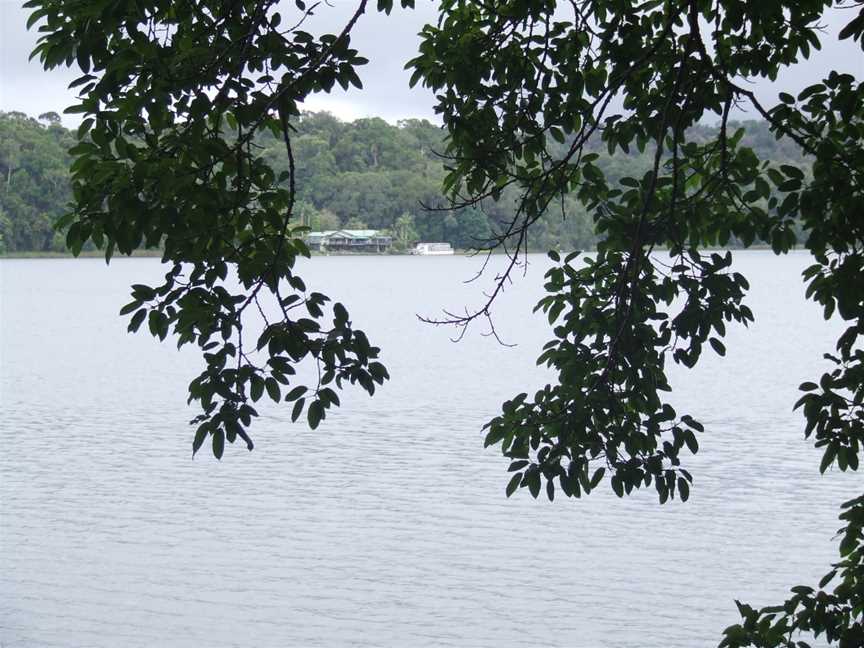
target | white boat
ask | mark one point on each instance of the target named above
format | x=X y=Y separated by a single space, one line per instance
x=433 y=249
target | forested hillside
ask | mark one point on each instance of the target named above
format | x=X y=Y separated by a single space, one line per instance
x=365 y=173
x=34 y=181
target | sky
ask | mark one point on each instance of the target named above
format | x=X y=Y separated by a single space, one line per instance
x=387 y=41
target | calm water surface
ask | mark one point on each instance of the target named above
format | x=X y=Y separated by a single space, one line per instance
x=388 y=526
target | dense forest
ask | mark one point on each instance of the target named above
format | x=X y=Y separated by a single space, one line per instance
x=366 y=173
x=34 y=181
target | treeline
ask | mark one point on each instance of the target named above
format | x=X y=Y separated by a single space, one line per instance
x=360 y=174
x=34 y=181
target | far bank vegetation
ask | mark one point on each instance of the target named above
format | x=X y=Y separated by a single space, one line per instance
x=351 y=175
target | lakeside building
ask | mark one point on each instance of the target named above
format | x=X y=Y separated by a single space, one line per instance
x=348 y=241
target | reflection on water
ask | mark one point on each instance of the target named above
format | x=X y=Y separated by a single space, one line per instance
x=388 y=526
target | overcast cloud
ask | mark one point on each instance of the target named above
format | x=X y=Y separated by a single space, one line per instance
x=387 y=41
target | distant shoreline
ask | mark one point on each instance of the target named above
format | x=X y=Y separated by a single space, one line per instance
x=89 y=254
x=97 y=254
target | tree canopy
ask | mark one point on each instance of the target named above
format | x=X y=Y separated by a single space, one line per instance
x=174 y=95
x=35 y=188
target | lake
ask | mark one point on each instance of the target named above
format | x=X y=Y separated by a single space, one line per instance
x=387 y=526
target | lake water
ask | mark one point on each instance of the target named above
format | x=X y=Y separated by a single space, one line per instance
x=388 y=526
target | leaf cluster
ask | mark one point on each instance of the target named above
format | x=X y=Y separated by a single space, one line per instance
x=173 y=97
